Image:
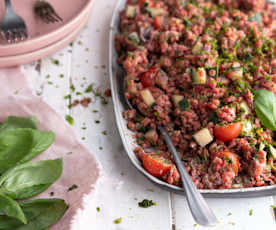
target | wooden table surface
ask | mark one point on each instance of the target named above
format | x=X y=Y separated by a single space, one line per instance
x=83 y=63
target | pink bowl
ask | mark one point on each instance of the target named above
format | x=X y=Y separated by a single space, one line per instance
x=41 y=34
x=44 y=52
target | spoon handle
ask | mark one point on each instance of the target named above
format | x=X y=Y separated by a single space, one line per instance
x=201 y=212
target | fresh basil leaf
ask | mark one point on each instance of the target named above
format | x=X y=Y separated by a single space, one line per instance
x=11 y=208
x=30 y=179
x=184 y=104
x=265 y=108
x=40 y=214
x=18 y=122
x=21 y=145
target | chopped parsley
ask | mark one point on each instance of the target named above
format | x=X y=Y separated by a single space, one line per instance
x=73 y=187
x=69 y=119
x=118 y=220
x=98 y=209
x=184 y=104
x=146 y=203
x=104 y=132
x=250 y=212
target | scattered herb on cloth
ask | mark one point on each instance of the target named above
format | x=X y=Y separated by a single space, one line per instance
x=21 y=141
x=146 y=203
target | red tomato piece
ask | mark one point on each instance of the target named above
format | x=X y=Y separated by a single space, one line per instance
x=156 y=165
x=147 y=78
x=230 y=159
x=228 y=132
x=158 y=21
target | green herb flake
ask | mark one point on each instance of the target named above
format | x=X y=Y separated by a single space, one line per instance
x=250 y=212
x=72 y=87
x=95 y=111
x=61 y=75
x=67 y=96
x=98 y=209
x=104 y=132
x=69 y=119
x=100 y=148
x=55 y=61
x=118 y=220
x=184 y=104
x=146 y=203
x=97 y=122
x=89 y=89
x=52 y=193
x=229 y=214
x=73 y=187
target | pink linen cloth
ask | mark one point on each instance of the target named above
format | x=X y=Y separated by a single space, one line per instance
x=80 y=166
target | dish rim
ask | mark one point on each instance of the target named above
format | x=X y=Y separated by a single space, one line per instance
x=113 y=68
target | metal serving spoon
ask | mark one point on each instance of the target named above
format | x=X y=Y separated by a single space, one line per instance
x=200 y=210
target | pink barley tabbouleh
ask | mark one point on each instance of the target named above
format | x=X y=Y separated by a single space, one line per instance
x=206 y=70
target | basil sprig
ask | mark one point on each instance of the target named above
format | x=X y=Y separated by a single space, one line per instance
x=20 y=141
x=40 y=214
x=30 y=179
x=11 y=208
x=265 y=108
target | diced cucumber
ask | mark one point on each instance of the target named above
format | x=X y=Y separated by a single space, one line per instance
x=247 y=128
x=199 y=76
x=245 y=109
x=197 y=48
x=203 y=137
x=147 y=97
x=150 y=135
x=153 y=12
x=176 y=99
x=134 y=37
x=272 y=151
x=130 y=11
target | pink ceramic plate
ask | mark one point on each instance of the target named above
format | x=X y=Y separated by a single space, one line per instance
x=46 y=51
x=41 y=34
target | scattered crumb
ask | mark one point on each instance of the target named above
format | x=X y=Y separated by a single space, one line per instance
x=85 y=102
x=107 y=93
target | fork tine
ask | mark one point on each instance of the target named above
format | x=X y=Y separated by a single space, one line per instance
x=10 y=36
x=57 y=16
x=51 y=18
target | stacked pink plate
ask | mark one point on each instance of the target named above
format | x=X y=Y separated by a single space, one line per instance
x=44 y=39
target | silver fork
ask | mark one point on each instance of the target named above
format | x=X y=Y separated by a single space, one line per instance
x=200 y=210
x=13 y=27
x=46 y=12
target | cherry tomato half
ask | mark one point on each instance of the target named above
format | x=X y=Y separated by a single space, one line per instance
x=147 y=78
x=230 y=160
x=156 y=165
x=228 y=132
